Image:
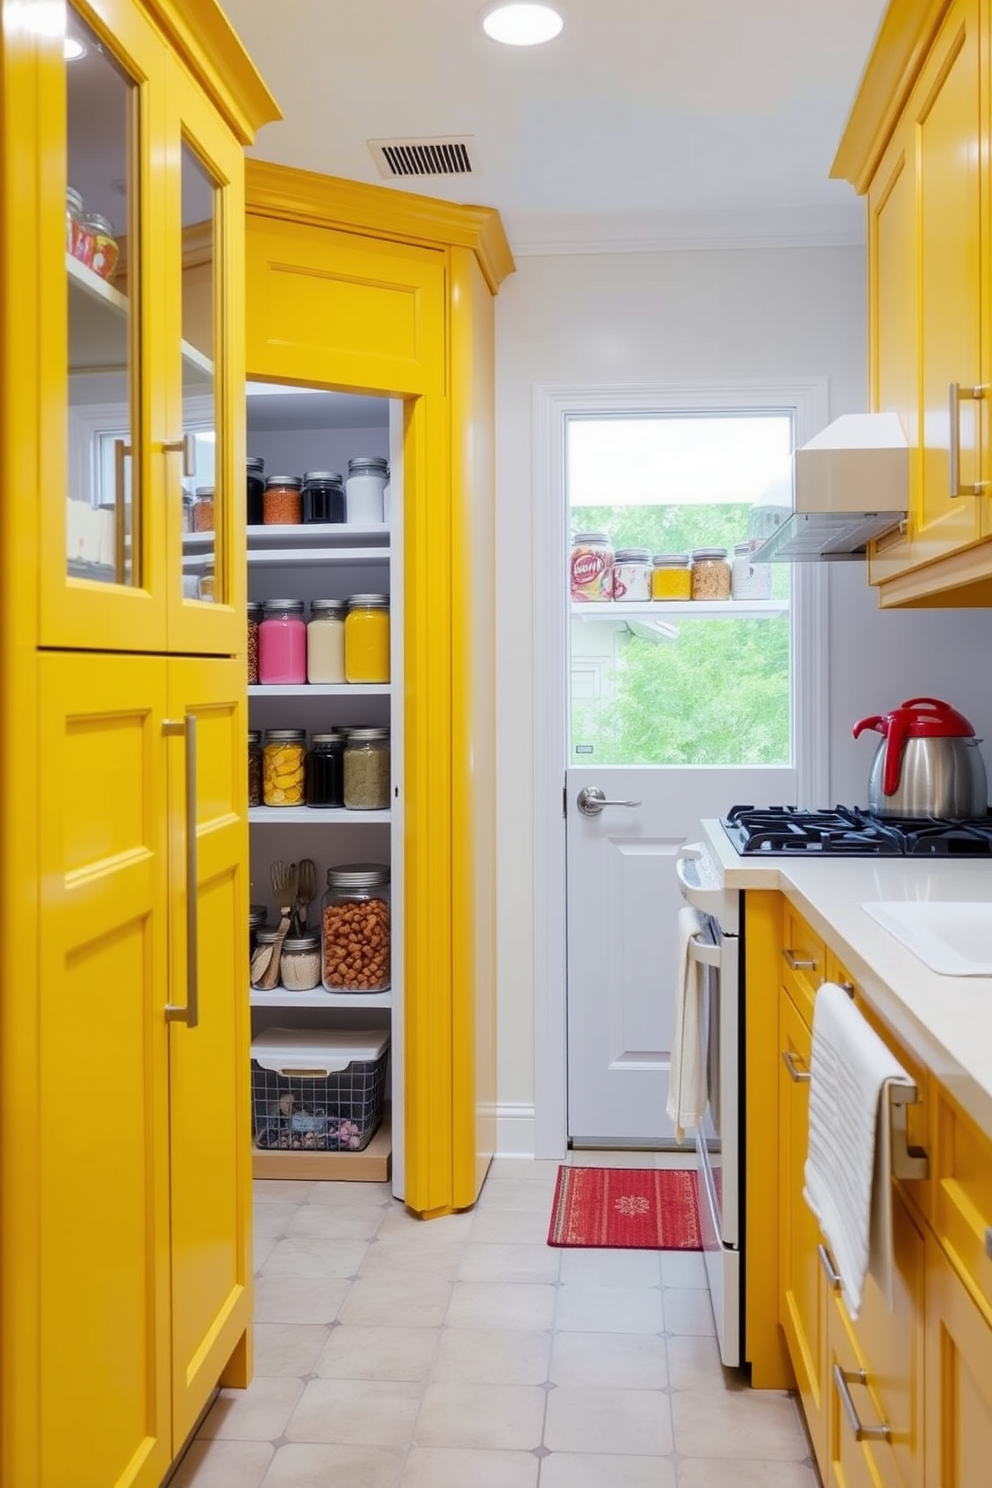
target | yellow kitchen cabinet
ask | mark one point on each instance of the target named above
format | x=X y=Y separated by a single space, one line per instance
x=124 y=1134
x=917 y=144
x=363 y=289
x=959 y=1379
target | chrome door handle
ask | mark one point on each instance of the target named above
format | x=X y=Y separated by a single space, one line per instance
x=844 y=1378
x=591 y=801
x=833 y=1276
x=185 y=447
x=176 y=1012
x=957 y=393
x=799 y=1076
x=797 y=963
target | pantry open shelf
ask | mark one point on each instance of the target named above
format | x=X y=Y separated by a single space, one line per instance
x=321 y=689
x=99 y=315
x=319 y=998
x=686 y=609
x=315 y=557
x=319 y=535
x=312 y=815
x=373 y=1165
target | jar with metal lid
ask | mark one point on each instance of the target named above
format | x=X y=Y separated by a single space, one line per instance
x=367 y=477
x=206 y=584
x=284 y=767
x=355 y=928
x=749 y=580
x=256 y=921
x=73 y=218
x=591 y=567
x=282 y=501
x=255 y=613
x=255 y=490
x=632 y=574
x=188 y=504
x=299 y=968
x=325 y=641
x=323 y=496
x=282 y=644
x=366 y=638
x=671 y=577
x=103 y=258
x=325 y=769
x=710 y=573
x=265 y=938
x=366 y=769
x=254 y=767
x=203 y=509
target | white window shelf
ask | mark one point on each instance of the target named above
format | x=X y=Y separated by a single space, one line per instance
x=686 y=609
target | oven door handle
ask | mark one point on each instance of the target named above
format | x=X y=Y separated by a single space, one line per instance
x=704 y=951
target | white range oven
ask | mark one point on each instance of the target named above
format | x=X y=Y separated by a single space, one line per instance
x=720 y=1139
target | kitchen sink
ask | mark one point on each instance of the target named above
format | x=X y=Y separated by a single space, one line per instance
x=953 y=938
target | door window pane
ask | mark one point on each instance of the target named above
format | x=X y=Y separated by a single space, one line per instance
x=202 y=494
x=103 y=532
x=703 y=681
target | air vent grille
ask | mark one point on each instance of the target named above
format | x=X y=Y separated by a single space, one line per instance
x=444 y=155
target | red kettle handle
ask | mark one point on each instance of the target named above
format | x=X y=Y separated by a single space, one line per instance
x=894 y=744
x=876 y=721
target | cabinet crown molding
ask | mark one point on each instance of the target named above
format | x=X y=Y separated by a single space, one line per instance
x=200 y=33
x=294 y=195
x=904 y=38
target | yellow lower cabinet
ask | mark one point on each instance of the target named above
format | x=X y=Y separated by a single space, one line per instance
x=802 y=1294
x=102 y=1098
x=959 y=1380
x=875 y=1373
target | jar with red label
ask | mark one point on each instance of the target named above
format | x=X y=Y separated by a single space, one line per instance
x=103 y=257
x=591 y=567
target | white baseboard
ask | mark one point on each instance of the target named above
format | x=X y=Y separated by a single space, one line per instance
x=515 y=1129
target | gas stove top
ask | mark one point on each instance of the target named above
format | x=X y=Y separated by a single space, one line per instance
x=846 y=831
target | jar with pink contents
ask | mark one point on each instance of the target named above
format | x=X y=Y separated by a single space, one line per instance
x=282 y=643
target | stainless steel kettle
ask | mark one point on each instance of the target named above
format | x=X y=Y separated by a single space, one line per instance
x=927 y=763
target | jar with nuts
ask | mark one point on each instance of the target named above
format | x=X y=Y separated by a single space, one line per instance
x=355 y=928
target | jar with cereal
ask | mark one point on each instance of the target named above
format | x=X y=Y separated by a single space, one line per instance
x=284 y=767
x=355 y=928
x=710 y=573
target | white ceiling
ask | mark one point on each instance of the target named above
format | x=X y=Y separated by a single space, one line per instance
x=647 y=122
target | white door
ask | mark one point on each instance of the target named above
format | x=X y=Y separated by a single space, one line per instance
x=684 y=709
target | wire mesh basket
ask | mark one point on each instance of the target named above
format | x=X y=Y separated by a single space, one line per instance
x=317 y=1092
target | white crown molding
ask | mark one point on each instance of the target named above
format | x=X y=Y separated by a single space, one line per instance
x=841 y=226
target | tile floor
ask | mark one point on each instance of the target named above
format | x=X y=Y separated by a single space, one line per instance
x=467 y=1353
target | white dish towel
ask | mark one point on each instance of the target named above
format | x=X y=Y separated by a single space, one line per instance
x=848 y=1162
x=687 y=1086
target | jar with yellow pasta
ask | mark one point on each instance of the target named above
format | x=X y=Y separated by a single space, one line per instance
x=366 y=638
x=284 y=768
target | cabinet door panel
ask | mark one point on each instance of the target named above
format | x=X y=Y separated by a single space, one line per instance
x=208 y=1072
x=959 y=1380
x=101 y=1097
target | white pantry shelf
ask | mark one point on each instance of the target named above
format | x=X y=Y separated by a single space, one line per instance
x=302 y=535
x=319 y=998
x=314 y=557
x=312 y=815
x=321 y=689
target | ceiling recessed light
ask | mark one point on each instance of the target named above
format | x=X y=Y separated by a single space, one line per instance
x=72 y=49
x=522 y=25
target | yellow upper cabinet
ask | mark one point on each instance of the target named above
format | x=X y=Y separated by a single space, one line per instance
x=917 y=144
x=140 y=229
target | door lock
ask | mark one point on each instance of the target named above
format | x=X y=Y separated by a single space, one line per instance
x=591 y=801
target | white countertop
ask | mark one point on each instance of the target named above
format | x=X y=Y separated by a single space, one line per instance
x=946 y=1021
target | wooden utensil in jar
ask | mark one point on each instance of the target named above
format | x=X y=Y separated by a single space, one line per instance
x=284 y=883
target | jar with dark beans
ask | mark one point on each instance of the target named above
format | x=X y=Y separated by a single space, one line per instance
x=255 y=612
x=256 y=490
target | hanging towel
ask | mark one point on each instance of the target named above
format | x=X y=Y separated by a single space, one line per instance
x=848 y=1164
x=687 y=1085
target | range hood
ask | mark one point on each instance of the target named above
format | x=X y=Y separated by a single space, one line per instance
x=850 y=483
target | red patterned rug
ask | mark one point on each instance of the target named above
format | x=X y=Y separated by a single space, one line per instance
x=626 y=1208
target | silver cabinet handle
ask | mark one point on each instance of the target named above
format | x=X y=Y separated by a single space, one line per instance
x=798 y=1075
x=591 y=801
x=988 y=1243
x=185 y=447
x=833 y=1276
x=842 y=1380
x=957 y=393
x=797 y=963
x=175 y=1012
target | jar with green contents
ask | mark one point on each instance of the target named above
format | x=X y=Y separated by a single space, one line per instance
x=366 y=769
x=671 y=577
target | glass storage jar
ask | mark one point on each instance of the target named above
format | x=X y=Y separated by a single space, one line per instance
x=284 y=768
x=105 y=249
x=206 y=584
x=325 y=641
x=282 y=501
x=325 y=769
x=203 y=509
x=265 y=939
x=354 y=927
x=323 y=496
x=366 y=769
x=282 y=644
x=749 y=580
x=255 y=491
x=367 y=477
x=188 y=512
x=255 y=613
x=254 y=767
x=299 y=968
x=670 y=576
x=632 y=574
x=73 y=217
x=256 y=922
x=591 y=567
x=366 y=638
x=710 y=573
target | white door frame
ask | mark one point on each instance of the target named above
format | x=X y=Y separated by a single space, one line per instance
x=807 y=399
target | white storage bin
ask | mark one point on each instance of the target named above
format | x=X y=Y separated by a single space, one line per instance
x=317 y=1090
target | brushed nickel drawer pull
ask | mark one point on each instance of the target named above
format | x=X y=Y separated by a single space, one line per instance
x=797 y=963
x=842 y=1380
x=796 y=1073
x=189 y=1013
x=907 y=1161
x=957 y=393
x=988 y=1243
x=826 y=1261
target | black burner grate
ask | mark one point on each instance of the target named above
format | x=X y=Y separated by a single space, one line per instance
x=846 y=831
